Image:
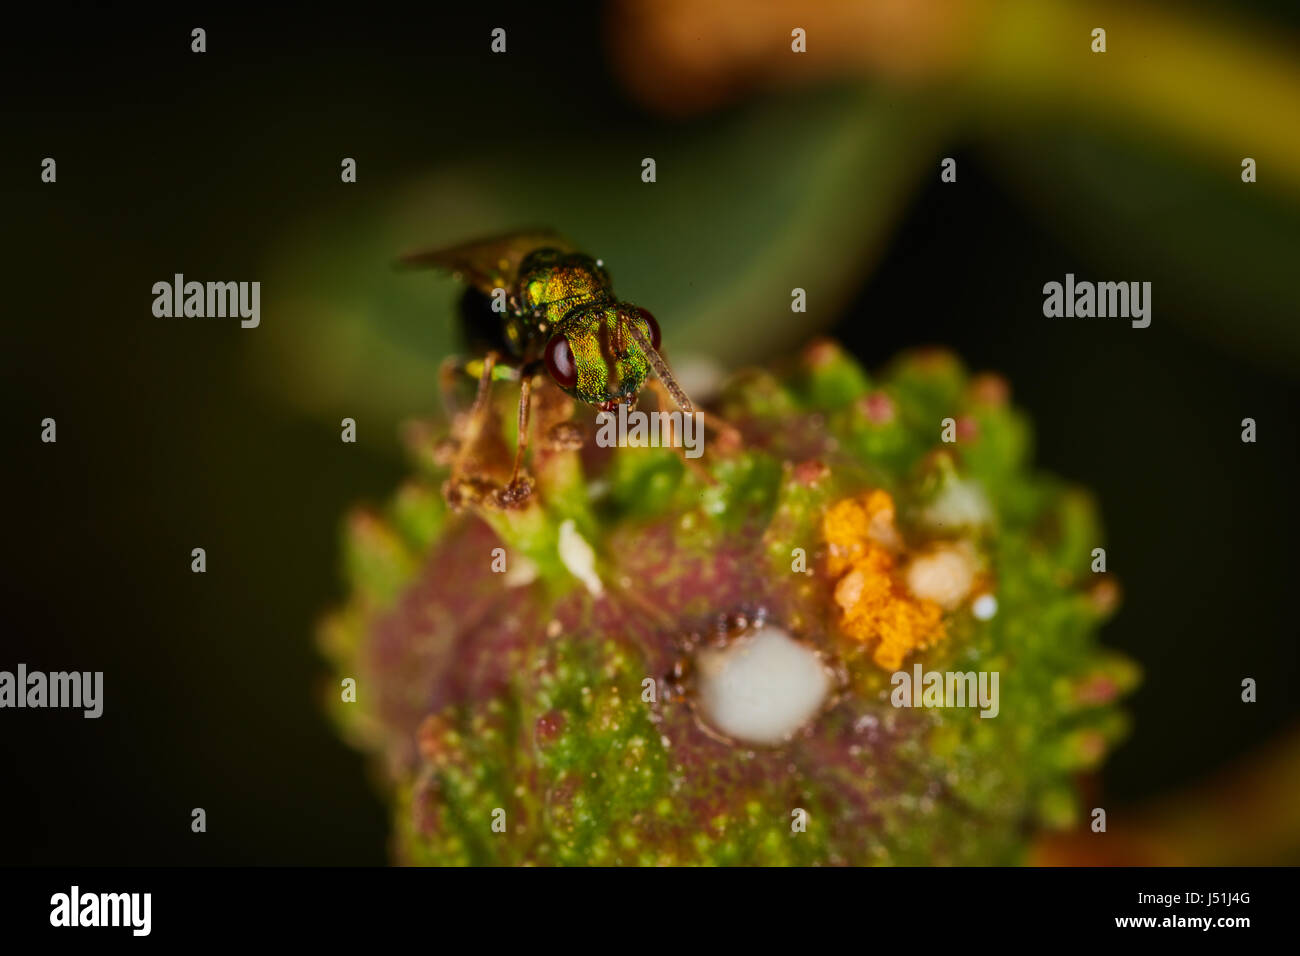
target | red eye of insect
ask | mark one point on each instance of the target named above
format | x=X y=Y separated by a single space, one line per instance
x=559 y=361
x=654 y=327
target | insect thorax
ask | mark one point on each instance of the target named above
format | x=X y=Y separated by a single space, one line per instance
x=551 y=283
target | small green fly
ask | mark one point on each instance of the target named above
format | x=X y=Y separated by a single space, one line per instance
x=533 y=304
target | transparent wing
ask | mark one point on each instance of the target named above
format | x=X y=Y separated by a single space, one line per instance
x=491 y=263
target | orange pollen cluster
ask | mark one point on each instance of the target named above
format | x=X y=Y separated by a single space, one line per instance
x=873 y=600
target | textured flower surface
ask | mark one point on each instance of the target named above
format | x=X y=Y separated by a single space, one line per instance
x=663 y=662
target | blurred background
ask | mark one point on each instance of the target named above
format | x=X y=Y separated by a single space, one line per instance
x=774 y=170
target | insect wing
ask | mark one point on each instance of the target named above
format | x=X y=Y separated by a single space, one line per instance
x=488 y=264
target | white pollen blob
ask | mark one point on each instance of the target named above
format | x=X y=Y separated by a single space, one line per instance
x=960 y=505
x=579 y=557
x=944 y=575
x=762 y=687
x=984 y=607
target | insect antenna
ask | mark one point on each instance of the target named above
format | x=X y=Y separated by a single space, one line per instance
x=661 y=369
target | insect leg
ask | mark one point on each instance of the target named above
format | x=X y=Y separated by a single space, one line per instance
x=730 y=435
x=520 y=487
x=521 y=442
x=453 y=367
x=517 y=491
x=484 y=385
x=466 y=483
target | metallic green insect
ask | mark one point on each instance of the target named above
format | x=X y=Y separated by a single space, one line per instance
x=534 y=304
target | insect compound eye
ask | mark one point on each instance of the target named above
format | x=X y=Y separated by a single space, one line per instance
x=559 y=361
x=654 y=327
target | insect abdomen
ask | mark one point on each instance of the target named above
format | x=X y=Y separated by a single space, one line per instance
x=483 y=328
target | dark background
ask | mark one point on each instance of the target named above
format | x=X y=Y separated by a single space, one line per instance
x=173 y=162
